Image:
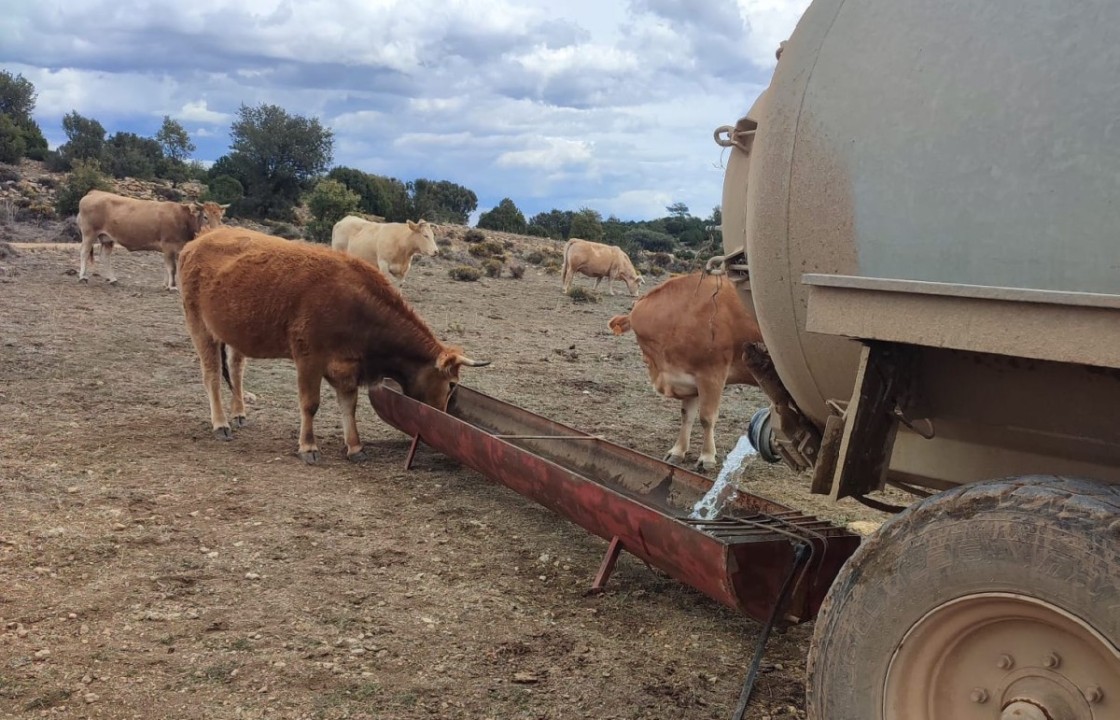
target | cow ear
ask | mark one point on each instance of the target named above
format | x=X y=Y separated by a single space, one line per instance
x=412 y=225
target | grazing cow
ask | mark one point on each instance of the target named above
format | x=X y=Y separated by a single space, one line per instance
x=141 y=225
x=389 y=246
x=337 y=317
x=599 y=261
x=693 y=332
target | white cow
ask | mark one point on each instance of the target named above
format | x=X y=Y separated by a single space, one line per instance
x=389 y=246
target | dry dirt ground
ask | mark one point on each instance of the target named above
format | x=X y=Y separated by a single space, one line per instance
x=148 y=571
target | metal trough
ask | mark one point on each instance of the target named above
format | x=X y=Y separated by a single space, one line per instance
x=741 y=559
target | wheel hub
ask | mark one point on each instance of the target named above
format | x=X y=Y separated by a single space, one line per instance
x=999 y=656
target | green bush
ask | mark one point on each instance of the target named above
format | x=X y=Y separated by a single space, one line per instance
x=474 y=236
x=536 y=231
x=582 y=295
x=661 y=259
x=685 y=254
x=490 y=248
x=651 y=240
x=535 y=257
x=516 y=271
x=493 y=267
x=12 y=144
x=85 y=176
x=223 y=190
x=464 y=273
x=329 y=202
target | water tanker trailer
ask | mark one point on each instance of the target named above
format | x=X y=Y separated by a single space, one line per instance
x=923 y=210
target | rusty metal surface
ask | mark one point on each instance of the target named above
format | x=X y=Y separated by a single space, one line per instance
x=739 y=559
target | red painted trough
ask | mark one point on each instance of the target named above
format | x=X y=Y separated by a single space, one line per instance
x=641 y=504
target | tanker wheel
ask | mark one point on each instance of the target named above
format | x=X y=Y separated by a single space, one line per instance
x=992 y=601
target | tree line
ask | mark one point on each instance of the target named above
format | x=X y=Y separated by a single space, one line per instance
x=278 y=161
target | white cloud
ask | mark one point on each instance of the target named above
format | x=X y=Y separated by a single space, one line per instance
x=549 y=154
x=768 y=23
x=197 y=111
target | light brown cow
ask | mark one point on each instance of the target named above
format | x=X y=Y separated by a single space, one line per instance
x=337 y=317
x=141 y=225
x=599 y=261
x=693 y=332
x=389 y=246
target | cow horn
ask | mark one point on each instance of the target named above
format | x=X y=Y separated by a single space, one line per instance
x=464 y=360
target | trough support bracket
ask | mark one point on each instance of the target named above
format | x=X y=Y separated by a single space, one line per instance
x=801 y=554
x=607 y=566
x=412 y=451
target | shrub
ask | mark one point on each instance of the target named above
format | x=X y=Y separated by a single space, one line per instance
x=474 y=236
x=493 y=267
x=284 y=230
x=651 y=240
x=464 y=273
x=685 y=254
x=12 y=145
x=516 y=271
x=582 y=295
x=9 y=174
x=223 y=189
x=489 y=248
x=40 y=211
x=536 y=257
x=329 y=202
x=656 y=271
x=443 y=241
x=85 y=176
x=168 y=193
x=536 y=231
x=55 y=161
x=660 y=259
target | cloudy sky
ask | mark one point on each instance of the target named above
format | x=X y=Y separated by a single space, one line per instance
x=609 y=104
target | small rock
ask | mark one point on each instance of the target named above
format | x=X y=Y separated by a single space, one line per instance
x=72 y=489
x=525 y=678
x=118 y=526
x=252 y=576
x=43 y=654
x=86 y=679
x=91 y=698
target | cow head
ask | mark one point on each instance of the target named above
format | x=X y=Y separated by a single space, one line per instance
x=432 y=384
x=427 y=242
x=207 y=215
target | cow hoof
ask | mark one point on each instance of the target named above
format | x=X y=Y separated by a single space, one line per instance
x=360 y=456
x=310 y=457
x=706 y=465
x=673 y=459
x=84 y=280
x=223 y=433
x=239 y=421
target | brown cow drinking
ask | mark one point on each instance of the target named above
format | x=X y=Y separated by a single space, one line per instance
x=141 y=225
x=693 y=332
x=335 y=315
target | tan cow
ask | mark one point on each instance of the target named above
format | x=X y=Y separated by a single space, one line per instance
x=693 y=332
x=141 y=225
x=599 y=261
x=336 y=316
x=389 y=246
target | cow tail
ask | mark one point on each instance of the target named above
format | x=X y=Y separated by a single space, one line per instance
x=620 y=324
x=566 y=268
x=225 y=365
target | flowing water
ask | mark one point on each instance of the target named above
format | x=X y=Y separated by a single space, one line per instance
x=723 y=489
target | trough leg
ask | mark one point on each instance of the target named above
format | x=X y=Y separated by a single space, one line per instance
x=412 y=452
x=607 y=566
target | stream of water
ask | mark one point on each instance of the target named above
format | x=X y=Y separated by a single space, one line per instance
x=723 y=489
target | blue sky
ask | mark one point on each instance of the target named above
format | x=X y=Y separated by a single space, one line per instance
x=608 y=104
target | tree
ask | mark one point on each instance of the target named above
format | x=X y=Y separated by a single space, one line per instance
x=85 y=138
x=650 y=240
x=504 y=218
x=129 y=155
x=224 y=190
x=382 y=196
x=174 y=140
x=678 y=209
x=329 y=202
x=275 y=156
x=587 y=224
x=441 y=201
x=17 y=102
x=556 y=223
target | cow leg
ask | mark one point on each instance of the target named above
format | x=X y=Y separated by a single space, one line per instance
x=236 y=381
x=310 y=381
x=209 y=358
x=610 y=284
x=689 y=407
x=566 y=278
x=169 y=260
x=711 y=393
x=86 y=256
x=343 y=377
x=107 y=250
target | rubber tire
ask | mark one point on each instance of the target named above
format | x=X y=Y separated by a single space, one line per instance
x=1053 y=538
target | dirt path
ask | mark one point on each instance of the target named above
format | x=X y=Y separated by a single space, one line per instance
x=147 y=571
